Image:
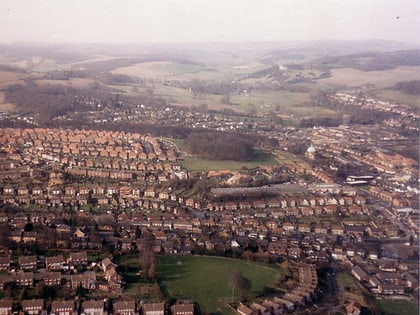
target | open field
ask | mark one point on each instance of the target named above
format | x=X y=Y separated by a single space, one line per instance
x=74 y=82
x=5 y=107
x=397 y=96
x=248 y=68
x=311 y=112
x=290 y=160
x=196 y=164
x=206 y=279
x=168 y=70
x=184 y=71
x=8 y=78
x=381 y=79
x=269 y=101
x=397 y=307
x=278 y=101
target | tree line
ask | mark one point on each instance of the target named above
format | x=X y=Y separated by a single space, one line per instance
x=409 y=87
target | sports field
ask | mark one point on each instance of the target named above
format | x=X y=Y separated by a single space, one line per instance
x=397 y=307
x=206 y=279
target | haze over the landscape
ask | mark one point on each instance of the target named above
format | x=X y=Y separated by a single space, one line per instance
x=132 y=21
x=209 y=157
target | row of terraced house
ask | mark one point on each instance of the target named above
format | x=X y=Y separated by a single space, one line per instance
x=91 y=307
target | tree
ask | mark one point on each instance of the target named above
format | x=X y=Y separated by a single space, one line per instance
x=147 y=255
x=239 y=282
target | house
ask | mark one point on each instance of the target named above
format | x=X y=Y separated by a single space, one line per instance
x=276 y=309
x=94 y=308
x=287 y=226
x=111 y=275
x=353 y=308
x=62 y=307
x=245 y=310
x=28 y=263
x=287 y=304
x=55 y=263
x=5 y=279
x=182 y=309
x=4 y=263
x=389 y=277
x=29 y=237
x=391 y=289
x=107 y=264
x=24 y=279
x=305 y=228
x=153 y=309
x=52 y=278
x=260 y=309
x=6 y=306
x=32 y=307
x=127 y=307
x=294 y=298
x=86 y=280
x=359 y=273
x=77 y=259
x=337 y=230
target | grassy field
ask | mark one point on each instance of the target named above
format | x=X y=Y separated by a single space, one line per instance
x=349 y=282
x=197 y=164
x=397 y=96
x=381 y=79
x=205 y=279
x=269 y=101
x=168 y=70
x=397 y=307
x=181 y=71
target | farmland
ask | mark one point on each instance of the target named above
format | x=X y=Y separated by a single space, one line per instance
x=397 y=96
x=381 y=79
x=189 y=277
x=167 y=69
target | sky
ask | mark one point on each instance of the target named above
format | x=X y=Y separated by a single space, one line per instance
x=149 y=21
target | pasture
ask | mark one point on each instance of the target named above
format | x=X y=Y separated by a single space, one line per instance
x=398 y=96
x=206 y=279
x=381 y=79
x=277 y=101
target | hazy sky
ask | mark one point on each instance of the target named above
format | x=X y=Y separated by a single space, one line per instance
x=207 y=20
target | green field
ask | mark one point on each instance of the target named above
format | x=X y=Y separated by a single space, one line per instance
x=397 y=96
x=206 y=279
x=397 y=307
x=269 y=101
x=196 y=164
x=347 y=280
